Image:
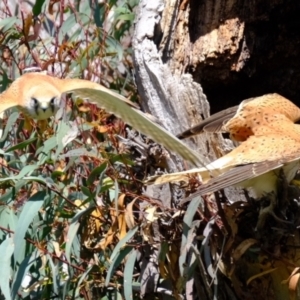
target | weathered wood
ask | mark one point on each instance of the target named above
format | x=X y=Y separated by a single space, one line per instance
x=168 y=94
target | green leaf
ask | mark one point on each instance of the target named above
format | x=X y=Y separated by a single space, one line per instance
x=48 y=146
x=164 y=247
x=128 y=274
x=21 y=145
x=126 y=17
x=71 y=135
x=22 y=271
x=26 y=170
x=73 y=228
x=82 y=277
x=115 y=263
x=8 y=219
x=45 y=180
x=62 y=132
x=87 y=192
x=9 y=125
x=10 y=194
x=68 y=24
x=80 y=152
x=6 y=251
x=116 y=196
x=187 y=225
x=114 y=47
x=71 y=23
x=5 y=81
x=124 y=240
x=37 y=8
x=96 y=173
x=54 y=273
x=7 y=23
x=119 y=253
x=30 y=210
x=97 y=13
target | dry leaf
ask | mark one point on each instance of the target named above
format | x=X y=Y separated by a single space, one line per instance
x=129 y=217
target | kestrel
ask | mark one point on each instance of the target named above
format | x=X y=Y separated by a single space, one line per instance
x=274 y=143
x=241 y=121
x=38 y=95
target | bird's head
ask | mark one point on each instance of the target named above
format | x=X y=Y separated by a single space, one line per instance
x=42 y=101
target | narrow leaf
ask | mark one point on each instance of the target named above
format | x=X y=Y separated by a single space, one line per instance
x=29 y=211
x=22 y=271
x=187 y=222
x=96 y=173
x=21 y=145
x=122 y=243
x=128 y=273
x=6 y=251
x=116 y=262
x=37 y=8
x=10 y=123
x=73 y=231
x=82 y=277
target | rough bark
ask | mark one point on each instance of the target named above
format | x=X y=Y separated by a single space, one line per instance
x=172 y=97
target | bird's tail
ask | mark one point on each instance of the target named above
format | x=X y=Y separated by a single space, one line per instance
x=211 y=170
x=202 y=173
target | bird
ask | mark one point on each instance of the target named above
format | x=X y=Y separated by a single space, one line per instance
x=38 y=95
x=240 y=121
x=256 y=162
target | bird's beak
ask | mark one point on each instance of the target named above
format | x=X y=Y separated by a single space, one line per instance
x=44 y=106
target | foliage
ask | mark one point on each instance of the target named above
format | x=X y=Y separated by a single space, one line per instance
x=63 y=189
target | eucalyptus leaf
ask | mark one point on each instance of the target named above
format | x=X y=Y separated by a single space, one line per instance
x=6 y=251
x=187 y=225
x=30 y=210
x=73 y=228
x=10 y=122
x=128 y=274
x=22 y=270
x=21 y=145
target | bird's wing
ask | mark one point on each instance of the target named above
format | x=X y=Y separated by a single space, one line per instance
x=113 y=102
x=7 y=101
x=11 y=97
x=212 y=124
x=215 y=123
x=68 y=85
x=237 y=175
x=256 y=156
x=240 y=174
x=104 y=98
x=238 y=120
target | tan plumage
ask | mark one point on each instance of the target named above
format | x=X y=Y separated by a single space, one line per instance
x=240 y=121
x=274 y=144
x=38 y=95
x=253 y=115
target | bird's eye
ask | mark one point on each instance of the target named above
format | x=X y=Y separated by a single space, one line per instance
x=35 y=102
x=52 y=101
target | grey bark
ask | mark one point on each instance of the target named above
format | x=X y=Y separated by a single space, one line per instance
x=173 y=98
